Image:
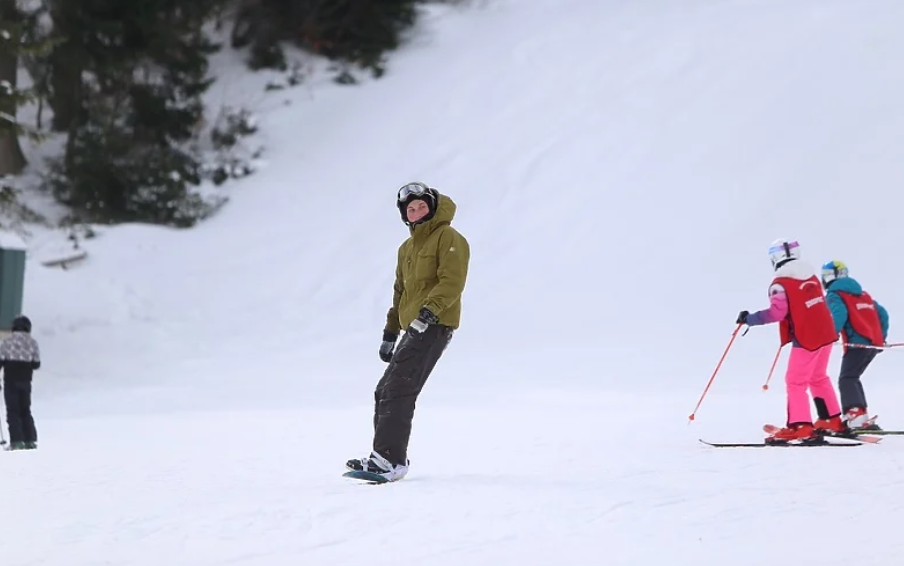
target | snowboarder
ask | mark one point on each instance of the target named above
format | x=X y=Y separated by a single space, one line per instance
x=860 y=320
x=429 y=280
x=19 y=358
x=798 y=304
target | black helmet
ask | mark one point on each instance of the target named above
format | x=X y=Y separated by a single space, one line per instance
x=21 y=324
x=417 y=191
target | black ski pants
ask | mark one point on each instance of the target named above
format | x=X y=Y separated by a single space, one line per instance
x=853 y=364
x=396 y=393
x=17 y=395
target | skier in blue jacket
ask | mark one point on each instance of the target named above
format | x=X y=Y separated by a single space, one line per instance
x=863 y=325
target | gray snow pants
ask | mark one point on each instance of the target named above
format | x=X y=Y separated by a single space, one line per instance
x=853 y=364
x=396 y=393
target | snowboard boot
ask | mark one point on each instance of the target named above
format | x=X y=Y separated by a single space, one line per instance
x=797 y=433
x=833 y=426
x=858 y=419
x=377 y=464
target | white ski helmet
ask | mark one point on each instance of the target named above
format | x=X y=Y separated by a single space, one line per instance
x=782 y=251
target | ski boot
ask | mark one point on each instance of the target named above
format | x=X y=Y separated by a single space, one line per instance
x=377 y=464
x=859 y=420
x=834 y=426
x=797 y=433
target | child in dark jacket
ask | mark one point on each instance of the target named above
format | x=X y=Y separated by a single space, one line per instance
x=19 y=358
x=863 y=325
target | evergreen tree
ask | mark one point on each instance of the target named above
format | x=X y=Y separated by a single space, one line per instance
x=125 y=81
x=129 y=156
x=353 y=31
x=359 y=31
x=15 y=43
x=64 y=68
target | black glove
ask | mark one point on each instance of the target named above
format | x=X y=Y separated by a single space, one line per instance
x=742 y=317
x=388 y=345
x=424 y=319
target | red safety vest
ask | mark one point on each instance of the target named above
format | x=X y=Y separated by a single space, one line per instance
x=809 y=319
x=863 y=316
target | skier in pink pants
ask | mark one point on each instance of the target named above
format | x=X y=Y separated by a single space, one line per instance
x=798 y=304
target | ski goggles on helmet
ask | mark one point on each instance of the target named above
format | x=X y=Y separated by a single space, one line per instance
x=412 y=190
x=783 y=248
x=782 y=251
x=832 y=270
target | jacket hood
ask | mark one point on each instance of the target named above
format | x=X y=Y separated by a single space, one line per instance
x=796 y=269
x=445 y=213
x=846 y=285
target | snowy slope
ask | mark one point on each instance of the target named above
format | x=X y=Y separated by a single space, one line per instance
x=620 y=169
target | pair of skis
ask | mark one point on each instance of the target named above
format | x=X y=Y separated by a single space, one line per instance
x=857 y=438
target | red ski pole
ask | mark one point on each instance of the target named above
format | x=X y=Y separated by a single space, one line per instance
x=772 y=369
x=730 y=342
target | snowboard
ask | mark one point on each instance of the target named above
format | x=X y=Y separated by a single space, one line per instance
x=368 y=477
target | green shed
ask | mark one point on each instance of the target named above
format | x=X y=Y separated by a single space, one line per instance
x=12 y=278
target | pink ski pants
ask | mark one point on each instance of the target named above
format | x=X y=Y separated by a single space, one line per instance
x=807 y=371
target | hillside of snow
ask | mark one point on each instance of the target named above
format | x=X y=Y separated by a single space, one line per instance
x=620 y=169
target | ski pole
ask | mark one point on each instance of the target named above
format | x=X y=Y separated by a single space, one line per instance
x=871 y=347
x=772 y=369
x=730 y=342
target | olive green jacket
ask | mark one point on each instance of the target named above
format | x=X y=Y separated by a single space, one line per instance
x=431 y=271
